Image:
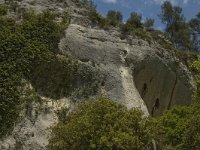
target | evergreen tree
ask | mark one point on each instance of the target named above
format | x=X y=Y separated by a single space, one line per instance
x=149 y=23
x=195 y=31
x=101 y=125
x=176 y=27
x=114 y=17
x=135 y=20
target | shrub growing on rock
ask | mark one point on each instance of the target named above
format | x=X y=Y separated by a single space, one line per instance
x=178 y=128
x=104 y=124
x=101 y=124
x=23 y=47
x=114 y=18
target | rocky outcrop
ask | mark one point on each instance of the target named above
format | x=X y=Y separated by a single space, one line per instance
x=138 y=74
x=131 y=71
x=33 y=131
x=72 y=7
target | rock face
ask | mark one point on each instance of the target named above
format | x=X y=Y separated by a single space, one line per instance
x=134 y=72
x=108 y=52
x=138 y=74
x=32 y=132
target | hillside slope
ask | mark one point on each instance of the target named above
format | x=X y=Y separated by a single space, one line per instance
x=130 y=71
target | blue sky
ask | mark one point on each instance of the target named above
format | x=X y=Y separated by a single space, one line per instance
x=147 y=8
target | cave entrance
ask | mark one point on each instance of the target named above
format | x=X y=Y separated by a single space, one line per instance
x=144 y=90
x=154 y=81
x=155 y=107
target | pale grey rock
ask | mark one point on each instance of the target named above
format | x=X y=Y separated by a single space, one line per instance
x=134 y=72
x=138 y=74
x=76 y=12
x=33 y=131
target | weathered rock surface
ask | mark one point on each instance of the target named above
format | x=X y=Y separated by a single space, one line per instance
x=33 y=131
x=137 y=74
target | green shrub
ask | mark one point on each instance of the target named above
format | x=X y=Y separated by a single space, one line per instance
x=104 y=124
x=196 y=67
x=101 y=124
x=135 y=20
x=149 y=23
x=23 y=46
x=178 y=128
x=187 y=57
x=96 y=18
x=3 y=10
x=114 y=18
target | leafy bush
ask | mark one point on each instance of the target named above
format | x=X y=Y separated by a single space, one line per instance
x=23 y=47
x=101 y=124
x=96 y=18
x=114 y=18
x=104 y=124
x=3 y=10
x=178 y=128
x=196 y=67
x=188 y=58
x=135 y=20
x=149 y=23
x=54 y=78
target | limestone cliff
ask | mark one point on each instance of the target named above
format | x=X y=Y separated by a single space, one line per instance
x=138 y=74
x=130 y=71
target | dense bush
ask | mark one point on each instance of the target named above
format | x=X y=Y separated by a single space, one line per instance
x=96 y=18
x=11 y=70
x=196 y=67
x=104 y=124
x=3 y=9
x=178 y=128
x=101 y=124
x=114 y=18
x=23 y=46
x=149 y=23
x=135 y=20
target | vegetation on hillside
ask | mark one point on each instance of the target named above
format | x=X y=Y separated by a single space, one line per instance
x=29 y=54
x=196 y=67
x=178 y=128
x=104 y=124
x=181 y=34
x=176 y=27
x=24 y=46
x=101 y=124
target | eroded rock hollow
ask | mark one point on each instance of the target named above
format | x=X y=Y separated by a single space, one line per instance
x=137 y=74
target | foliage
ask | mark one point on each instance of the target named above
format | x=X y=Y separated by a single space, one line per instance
x=149 y=23
x=134 y=21
x=196 y=67
x=178 y=128
x=88 y=3
x=114 y=18
x=23 y=47
x=3 y=10
x=96 y=18
x=11 y=44
x=57 y=75
x=101 y=124
x=195 y=31
x=188 y=58
x=176 y=26
x=104 y=124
